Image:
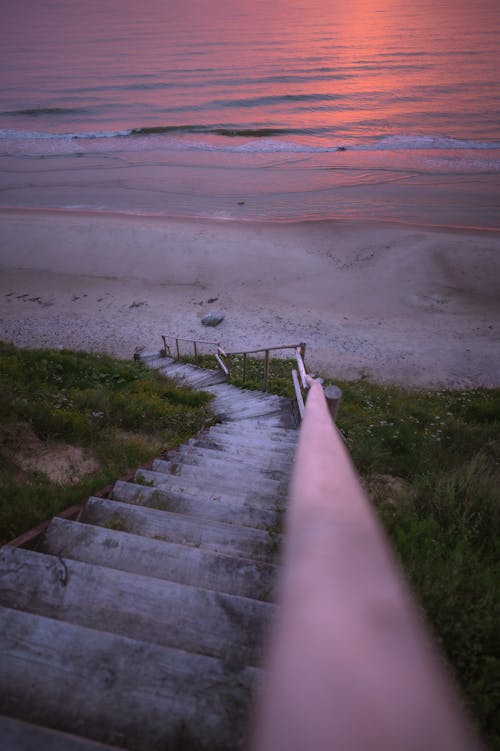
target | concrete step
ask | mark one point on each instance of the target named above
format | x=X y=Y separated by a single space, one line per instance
x=162 y=560
x=215 y=491
x=228 y=510
x=220 y=476
x=228 y=539
x=158 y=611
x=17 y=735
x=118 y=690
x=269 y=465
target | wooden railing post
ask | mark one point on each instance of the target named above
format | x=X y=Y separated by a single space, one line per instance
x=244 y=368
x=303 y=352
x=195 y=351
x=177 y=348
x=266 y=370
x=333 y=395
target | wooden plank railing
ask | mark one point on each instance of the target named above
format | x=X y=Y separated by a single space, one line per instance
x=301 y=379
x=170 y=342
x=266 y=352
x=172 y=348
x=350 y=664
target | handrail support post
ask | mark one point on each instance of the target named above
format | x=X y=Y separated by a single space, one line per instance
x=333 y=395
x=266 y=370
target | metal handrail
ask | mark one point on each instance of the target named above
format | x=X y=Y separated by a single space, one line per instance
x=350 y=664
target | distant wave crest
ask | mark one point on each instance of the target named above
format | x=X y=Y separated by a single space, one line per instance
x=230 y=138
x=214 y=130
x=44 y=111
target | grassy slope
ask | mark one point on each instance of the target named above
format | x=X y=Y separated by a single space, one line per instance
x=121 y=413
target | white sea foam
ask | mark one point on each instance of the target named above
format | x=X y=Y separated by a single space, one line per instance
x=20 y=142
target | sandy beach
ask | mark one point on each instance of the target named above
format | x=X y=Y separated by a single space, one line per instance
x=394 y=303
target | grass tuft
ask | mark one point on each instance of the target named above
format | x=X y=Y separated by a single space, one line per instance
x=120 y=413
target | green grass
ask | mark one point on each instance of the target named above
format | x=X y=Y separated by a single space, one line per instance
x=120 y=413
x=442 y=450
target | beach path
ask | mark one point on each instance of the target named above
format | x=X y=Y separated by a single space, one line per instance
x=141 y=624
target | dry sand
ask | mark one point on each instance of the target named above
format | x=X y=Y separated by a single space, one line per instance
x=398 y=304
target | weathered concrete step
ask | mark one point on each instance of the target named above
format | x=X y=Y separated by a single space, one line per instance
x=17 y=735
x=227 y=510
x=118 y=690
x=228 y=539
x=215 y=491
x=278 y=468
x=219 y=476
x=159 y=611
x=162 y=560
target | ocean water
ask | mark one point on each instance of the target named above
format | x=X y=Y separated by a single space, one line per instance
x=290 y=110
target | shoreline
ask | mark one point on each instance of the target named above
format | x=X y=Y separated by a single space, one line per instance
x=131 y=214
x=396 y=303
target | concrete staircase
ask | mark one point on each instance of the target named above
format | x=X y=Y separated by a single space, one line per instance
x=141 y=624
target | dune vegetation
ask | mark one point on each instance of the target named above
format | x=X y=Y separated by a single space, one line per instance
x=72 y=422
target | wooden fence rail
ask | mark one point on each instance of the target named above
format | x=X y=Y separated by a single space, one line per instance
x=224 y=359
x=350 y=664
